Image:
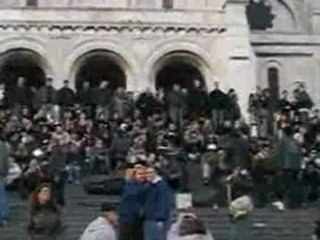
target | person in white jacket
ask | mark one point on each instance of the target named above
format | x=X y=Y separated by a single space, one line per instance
x=103 y=228
x=176 y=230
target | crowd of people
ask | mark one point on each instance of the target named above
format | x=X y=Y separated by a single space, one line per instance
x=60 y=135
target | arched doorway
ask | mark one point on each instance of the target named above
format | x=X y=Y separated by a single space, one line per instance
x=100 y=65
x=178 y=68
x=22 y=63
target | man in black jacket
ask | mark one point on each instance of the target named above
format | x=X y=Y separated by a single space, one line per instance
x=176 y=102
x=197 y=100
x=85 y=98
x=146 y=103
x=66 y=97
x=217 y=102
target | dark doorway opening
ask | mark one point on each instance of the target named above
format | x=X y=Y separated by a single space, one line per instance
x=22 y=63
x=99 y=66
x=273 y=81
x=177 y=73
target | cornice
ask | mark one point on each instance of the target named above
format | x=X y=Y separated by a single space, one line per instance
x=111 y=27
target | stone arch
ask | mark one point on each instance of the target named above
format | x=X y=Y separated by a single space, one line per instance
x=117 y=52
x=98 y=65
x=189 y=52
x=35 y=45
x=23 y=62
x=180 y=67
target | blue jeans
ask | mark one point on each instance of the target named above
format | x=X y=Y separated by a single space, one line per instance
x=154 y=232
x=4 y=208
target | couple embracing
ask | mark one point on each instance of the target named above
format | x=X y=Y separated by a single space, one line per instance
x=145 y=205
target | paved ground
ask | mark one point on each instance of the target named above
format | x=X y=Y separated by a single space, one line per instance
x=81 y=209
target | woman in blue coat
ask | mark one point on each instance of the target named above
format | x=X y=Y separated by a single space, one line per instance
x=131 y=208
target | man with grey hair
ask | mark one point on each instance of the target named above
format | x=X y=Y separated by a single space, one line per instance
x=103 y=228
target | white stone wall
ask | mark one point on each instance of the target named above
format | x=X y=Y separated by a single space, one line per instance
x=140 y=37
x=214 y=32
x=241 y=66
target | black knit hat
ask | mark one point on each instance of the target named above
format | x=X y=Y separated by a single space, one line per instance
x=107 y=207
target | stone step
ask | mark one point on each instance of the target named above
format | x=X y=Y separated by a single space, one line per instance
x=81 y=209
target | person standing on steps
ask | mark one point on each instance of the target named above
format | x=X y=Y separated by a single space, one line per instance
x=104 y=227
x=157 y=207
x=132 y=203
x=4 y=168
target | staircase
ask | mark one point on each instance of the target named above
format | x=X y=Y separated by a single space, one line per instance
x=267 y=224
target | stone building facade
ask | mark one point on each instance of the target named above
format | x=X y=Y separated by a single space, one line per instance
x=146 y=43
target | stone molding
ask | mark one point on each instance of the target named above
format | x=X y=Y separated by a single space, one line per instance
x=112 y=28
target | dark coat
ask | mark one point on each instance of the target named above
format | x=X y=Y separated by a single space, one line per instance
x=158 y=201
x=146 y=103
x=46 y=95
x=218 y=100
x=45 y=224
x=57 y=161
x=86 y=97
x=22 y=95
x=288 y=154
x=120 y=145
x=237 y=152
x=175 y=99
x=304 y=100
x=132 y=200
x=197 y=100
x=235 y=110
x=102 y=97
x=66 y=97
x=4 y=164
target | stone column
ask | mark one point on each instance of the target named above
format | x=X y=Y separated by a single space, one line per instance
x=241 y=73
x=58 y=51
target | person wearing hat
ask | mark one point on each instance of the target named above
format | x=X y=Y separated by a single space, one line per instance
x=103 y=228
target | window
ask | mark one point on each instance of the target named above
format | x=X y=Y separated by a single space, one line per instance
x=32 y=3
x=167 y=4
